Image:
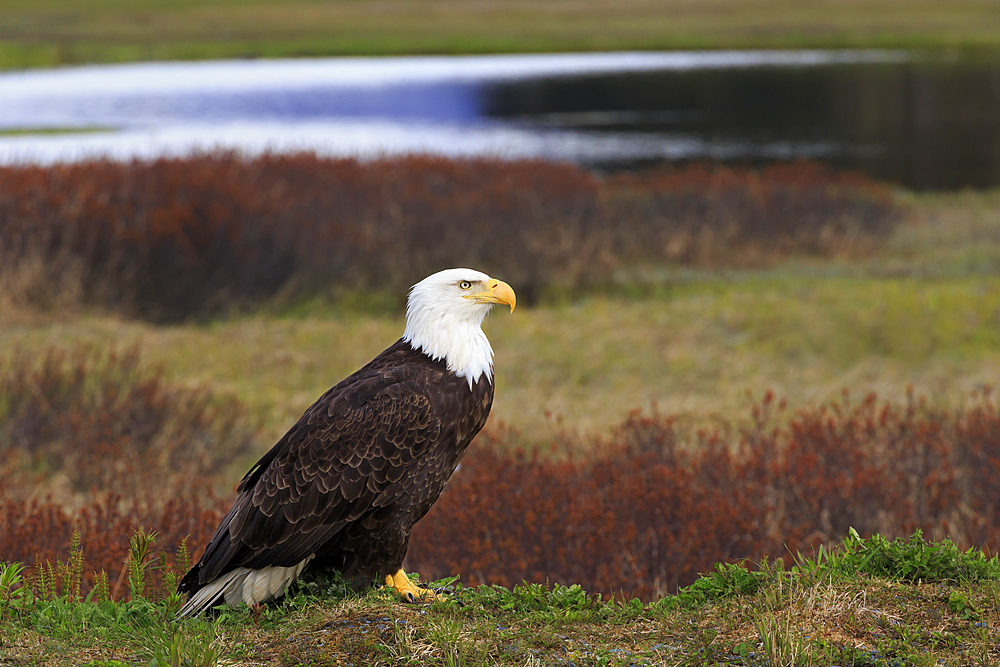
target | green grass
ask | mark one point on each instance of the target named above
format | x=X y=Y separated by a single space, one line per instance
x=861 y=602
x=53 y=32
x=19 y=131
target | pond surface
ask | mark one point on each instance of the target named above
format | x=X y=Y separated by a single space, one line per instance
x=919 y=123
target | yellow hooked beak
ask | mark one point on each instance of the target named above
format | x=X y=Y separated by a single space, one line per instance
x=497 y=291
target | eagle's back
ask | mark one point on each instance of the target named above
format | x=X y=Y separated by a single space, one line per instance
x=347 y=482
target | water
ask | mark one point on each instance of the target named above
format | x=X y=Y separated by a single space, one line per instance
x=919 y=123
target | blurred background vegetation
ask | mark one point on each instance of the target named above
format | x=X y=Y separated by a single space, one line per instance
x=56 y=32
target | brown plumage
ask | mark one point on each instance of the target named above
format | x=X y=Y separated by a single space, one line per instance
x=346 y=483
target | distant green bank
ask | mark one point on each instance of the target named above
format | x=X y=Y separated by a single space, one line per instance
x=57 y=32
x=21 y=131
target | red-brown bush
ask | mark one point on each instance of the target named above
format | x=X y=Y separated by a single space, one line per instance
x=132 y=449
x=36 y=532
x=647 y=508
x=179 y=238
x=642 y=515
x=103 y=422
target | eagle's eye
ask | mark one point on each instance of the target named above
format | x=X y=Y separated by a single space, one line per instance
x=465 y=284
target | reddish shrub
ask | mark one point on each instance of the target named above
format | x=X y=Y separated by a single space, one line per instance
x=627 y=519
x=104 y=422
x=136 y=452
x=40 y=532
x=642 y=516
x=734 y=216
x=178 y=238
x=644 y=510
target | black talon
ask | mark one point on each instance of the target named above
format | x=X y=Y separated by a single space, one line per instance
x=450 y=592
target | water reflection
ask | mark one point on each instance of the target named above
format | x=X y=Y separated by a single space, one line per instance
x=923 y=124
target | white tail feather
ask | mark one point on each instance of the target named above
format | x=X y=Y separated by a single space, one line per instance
x=209 y=594
x=243 y=585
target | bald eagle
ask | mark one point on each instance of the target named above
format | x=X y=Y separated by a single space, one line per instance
x=344 y=486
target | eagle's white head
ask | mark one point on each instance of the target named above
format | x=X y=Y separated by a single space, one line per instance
x=444 y=316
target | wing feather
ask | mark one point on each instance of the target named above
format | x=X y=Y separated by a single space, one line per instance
x=344 y=458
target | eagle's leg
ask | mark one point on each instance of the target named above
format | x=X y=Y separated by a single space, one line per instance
x=402 y=584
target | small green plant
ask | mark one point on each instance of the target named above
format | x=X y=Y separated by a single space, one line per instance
x=780 y=644
x=446 y=635
x=71 y=572
x=322 y=583
x=140 y=559
x=724 y=581
x=185 y=651
x=42 y=579
x=173 y=600
x=182 y=562
x=992 y=590
x=915 y=559
x=703 y=650
x=61 y=580
x=824 y=652
x=101 y=591
x=13 y=594
x=961 y=603
x=556 y=603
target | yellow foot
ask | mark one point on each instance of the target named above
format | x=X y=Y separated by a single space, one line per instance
x=410 y=593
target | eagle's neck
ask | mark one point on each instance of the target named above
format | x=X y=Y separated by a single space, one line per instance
x=456 y=338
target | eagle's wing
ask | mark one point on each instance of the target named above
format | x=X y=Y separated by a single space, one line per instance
x=352 y=453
